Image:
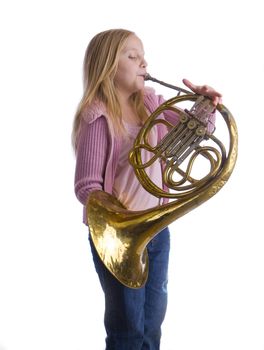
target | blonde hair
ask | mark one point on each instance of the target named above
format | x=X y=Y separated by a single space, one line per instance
x=99 y=69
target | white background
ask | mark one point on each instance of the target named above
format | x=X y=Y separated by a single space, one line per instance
x=50 y=298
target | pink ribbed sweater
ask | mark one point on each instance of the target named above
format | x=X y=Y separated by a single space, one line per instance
x=98 y=151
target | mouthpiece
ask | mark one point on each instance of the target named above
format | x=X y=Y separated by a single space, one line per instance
x=149 y=77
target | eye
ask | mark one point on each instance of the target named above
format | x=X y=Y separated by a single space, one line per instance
x=132 y=57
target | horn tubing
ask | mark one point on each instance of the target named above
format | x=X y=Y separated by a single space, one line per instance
x=121 y=236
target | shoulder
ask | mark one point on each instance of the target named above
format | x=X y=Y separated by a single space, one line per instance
x=93 y=111
x=151 y=99
x=93 y=123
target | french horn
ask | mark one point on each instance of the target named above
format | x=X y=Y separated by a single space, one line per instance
x=121 y=236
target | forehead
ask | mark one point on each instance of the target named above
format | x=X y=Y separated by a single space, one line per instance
x=133 y=43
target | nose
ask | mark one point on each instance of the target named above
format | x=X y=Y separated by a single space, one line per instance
x=144 y=63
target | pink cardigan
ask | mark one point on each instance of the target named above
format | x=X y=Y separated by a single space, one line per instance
x=98 y=152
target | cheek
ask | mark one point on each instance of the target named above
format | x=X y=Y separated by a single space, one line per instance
x=121 y=72
x=126 y=68
x=124 y=75
x=119 y=76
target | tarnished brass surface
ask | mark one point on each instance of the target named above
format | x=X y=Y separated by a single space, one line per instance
x=121 y=236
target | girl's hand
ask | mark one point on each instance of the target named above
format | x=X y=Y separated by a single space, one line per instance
x=204 y=90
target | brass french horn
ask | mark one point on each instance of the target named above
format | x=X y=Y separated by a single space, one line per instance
x=121 y=236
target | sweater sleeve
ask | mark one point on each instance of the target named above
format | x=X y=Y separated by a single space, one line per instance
x=91 y=158
x=153 y=101
x=169 y=115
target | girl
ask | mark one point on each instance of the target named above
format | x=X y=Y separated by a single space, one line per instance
x=113 y=108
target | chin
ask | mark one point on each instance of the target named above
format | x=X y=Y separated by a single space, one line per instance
x=140 y=86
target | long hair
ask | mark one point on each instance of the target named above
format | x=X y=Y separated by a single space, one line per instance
x=99 y=69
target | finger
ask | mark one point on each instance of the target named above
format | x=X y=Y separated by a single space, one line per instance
x=209 y=91
x=213 y=93
x=216 y=100
x=205 y=90
x=189 y=84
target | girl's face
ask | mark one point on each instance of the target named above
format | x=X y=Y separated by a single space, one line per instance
x=131 y=68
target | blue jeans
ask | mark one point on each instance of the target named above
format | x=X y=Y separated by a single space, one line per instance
x=133 y=317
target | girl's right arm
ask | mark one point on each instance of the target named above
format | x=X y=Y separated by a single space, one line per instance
x=91 y=158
